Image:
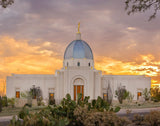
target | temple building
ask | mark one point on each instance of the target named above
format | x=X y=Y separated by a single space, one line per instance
x=77 y=75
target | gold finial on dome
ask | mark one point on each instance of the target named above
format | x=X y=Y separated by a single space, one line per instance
x=78 y=27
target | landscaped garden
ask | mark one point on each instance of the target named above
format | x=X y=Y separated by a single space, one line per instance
x=84 y=112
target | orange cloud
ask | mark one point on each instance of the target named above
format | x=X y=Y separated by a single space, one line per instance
x=117 y=67
x=17 y=56
x=21 y=58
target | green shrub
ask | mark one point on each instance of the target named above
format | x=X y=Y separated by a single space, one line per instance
x=155 y=94
x=11 y=102
x=24 y=112
x=121 y=94
x=65 y=113
x=4 y=101
x=15 y=122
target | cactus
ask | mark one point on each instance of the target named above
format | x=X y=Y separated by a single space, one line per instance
x=24 y=112
x=117 y=109
x=69 y=112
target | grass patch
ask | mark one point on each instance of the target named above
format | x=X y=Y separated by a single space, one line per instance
x=9 y=111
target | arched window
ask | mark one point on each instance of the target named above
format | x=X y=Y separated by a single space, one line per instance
x=89 y=64
x=78 y=64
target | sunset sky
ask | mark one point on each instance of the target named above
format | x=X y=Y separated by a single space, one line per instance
x=35 y=33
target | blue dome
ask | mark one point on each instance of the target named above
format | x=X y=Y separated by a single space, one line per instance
x=78 y=49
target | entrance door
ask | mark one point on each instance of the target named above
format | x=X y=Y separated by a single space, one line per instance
x=78 y=89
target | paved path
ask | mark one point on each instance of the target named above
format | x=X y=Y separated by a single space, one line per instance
x=5 y=118
x=144 y=110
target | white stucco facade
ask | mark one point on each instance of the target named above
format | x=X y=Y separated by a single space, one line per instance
x=78 y=74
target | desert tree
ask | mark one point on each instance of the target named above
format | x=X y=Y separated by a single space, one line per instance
x=36 y=93
x=146 y=94
x=5 y=3
x=155 y=93
x=134 y=6
x=121 y=93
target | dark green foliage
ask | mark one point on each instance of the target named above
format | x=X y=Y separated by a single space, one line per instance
x=36 y=92
x=4 y=101
x=100 y=104
x=24 y=112
x=5 y=3
x=15 y=122
x=28 y=105
x=121 y=94
x=11 y=102
x=65 y=113
x=155 y=94
x=0 y=104
x=117 y=109
x=74 y=114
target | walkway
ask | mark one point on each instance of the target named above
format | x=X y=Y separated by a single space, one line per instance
x=5 y=118
x=142 y=110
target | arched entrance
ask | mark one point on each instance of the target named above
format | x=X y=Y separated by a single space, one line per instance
x=78 y=87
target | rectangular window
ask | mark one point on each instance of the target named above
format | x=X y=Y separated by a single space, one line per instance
x=17 y=94
x=139 y=94
x=51 y=95
x=105 y=96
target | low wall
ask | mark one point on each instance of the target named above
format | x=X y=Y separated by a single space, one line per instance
x=20 y=102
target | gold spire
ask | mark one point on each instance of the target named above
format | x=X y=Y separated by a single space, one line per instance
x=78 y=27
